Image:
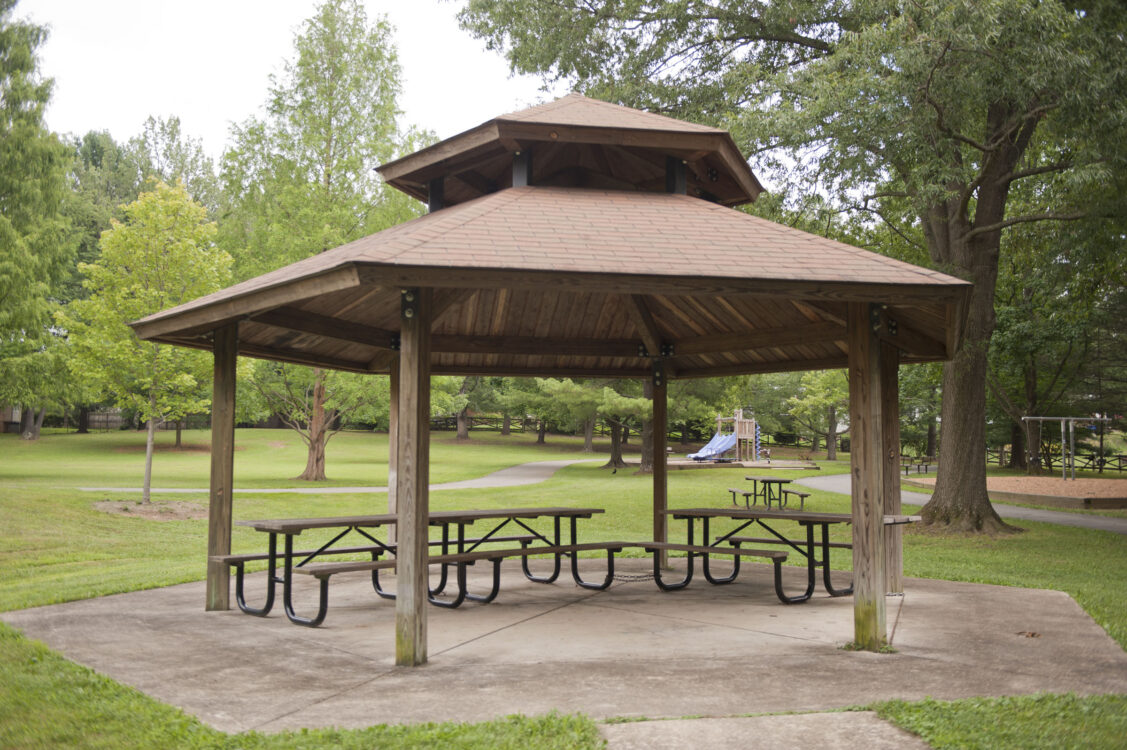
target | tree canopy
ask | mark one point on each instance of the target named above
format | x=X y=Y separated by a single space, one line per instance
x=924 y=115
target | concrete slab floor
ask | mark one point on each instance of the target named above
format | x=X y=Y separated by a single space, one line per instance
x=631 y=651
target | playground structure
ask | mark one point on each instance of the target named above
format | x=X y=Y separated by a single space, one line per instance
x=1068 y=438
x=743 y=436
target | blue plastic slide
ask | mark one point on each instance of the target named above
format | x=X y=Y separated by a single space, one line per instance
x=718 y=445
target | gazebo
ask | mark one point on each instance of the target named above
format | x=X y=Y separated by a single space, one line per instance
x=581 y=239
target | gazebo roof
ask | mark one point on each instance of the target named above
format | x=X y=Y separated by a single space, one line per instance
x=579 y=142
x=562 y=281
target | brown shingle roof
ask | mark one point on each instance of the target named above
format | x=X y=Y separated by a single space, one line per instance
x=627 y=234
x=576 y=109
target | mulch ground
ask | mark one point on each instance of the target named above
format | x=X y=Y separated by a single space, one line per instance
x=1054 y=486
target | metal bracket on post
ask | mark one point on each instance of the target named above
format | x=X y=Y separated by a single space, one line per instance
x=658 y=373
x=409 y=303
x=396 y=342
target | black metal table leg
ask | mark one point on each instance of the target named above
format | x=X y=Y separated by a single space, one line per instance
x=287 y=590
x=717 y=580
x=660 y=581
x=826 y=566
x=271 y=580
x=555 y=570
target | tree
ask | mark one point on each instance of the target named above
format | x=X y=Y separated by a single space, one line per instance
x=162 y=255
x=821 y=403
x=165 y=154
x=35 y=244
x=300 y=181
x=922 y=114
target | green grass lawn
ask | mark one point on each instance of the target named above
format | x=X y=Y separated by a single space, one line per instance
x=56 y=547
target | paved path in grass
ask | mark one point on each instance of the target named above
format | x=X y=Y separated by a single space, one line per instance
x=842 y=483
x=514 y=476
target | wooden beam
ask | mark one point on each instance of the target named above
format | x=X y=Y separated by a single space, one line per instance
x=890 y=454
x=866 y=449
x=644 y=323
x=752 y=368
x=529 y=371
x=293 y=319
x=660 y=420
x=412 y=478
x=222 y=465
x=312 y=359
x=439 y=154
x=816 y=333
x=903 y=336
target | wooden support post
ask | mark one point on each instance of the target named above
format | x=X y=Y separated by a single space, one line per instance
x=393 y=445
x=522 y=168
x=436 y=195
x=412 y=478
x=225 y=352
x=867 y=461
x=660 y=426
x=675 y=176
x=890 y=437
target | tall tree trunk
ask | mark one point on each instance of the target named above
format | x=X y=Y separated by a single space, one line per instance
x=646 y=465
x=625 y=434
x=932 y=436
x=83 y=420
x=179 y=437
x=589 y=435
x=684 y=435
x=506 y=425
x=318 y=432
x=960 y=501
x=463 y=425
x=27 y=419
x=831 y=436
x=150 y=442
x=615 y=461
x=1033 y=447
x=1017 y=447
x=541 y=432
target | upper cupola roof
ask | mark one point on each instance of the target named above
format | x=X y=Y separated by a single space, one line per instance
x=576 y=141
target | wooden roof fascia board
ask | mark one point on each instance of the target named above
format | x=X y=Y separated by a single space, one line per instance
x=245 y=304
x=755 y=368
x=457 y=146
x=646 y=138
x=620 y=283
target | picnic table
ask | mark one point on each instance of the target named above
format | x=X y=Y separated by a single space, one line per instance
x=770 y=489
x=764 y=518
x=455 y=549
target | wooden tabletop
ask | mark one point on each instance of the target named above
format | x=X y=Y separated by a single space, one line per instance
x=441 y=517
x=780 y=480
x=800 y=516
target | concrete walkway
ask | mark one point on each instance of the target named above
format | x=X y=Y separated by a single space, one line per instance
x=715 y=652
x=533 y=472
x=843 y=482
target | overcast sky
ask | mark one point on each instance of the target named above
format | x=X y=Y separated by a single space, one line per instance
x=116 y=62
